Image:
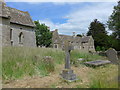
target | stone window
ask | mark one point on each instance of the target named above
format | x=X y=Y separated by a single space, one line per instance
x=56 y=46
x=21 y=38
x=10 y=34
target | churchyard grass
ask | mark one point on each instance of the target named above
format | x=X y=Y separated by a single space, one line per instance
x=18 y=62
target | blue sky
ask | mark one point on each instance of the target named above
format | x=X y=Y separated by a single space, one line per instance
x=67 y=17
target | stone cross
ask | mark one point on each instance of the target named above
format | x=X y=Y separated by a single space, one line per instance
x=67 y=49
x=112 y=55
x=67 y=73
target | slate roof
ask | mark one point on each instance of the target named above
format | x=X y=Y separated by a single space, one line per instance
x=17 y=16
x=4 y=11
x=66 y=37
x=85 y=39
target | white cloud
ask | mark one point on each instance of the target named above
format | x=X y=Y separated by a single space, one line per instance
x=79 y=20
x=60 y=0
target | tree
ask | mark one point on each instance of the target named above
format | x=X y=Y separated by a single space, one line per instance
x=114 y=21
x=114 y=25
x=96 y=28
x=43 y=35
x=98 y=32
x=113 y=42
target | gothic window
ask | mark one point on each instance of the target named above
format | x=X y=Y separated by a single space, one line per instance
x=21 y=38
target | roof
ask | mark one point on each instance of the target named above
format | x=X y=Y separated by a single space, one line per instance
x=4 y=12
x=85 y=39
x=17 y=16
x=76 y=39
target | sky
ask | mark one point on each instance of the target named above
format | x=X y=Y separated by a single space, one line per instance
x=67 y=17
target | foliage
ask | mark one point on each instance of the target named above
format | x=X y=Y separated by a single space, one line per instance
x=98 y=32
x=114 y=25
x=98 y=48
x=43 y=35
x=114 y=21
x=113 y=42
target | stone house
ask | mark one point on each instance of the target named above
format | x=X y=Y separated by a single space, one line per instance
x=17 y=27
x=84 y=43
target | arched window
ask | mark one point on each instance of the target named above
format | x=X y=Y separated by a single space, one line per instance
x=21 y=38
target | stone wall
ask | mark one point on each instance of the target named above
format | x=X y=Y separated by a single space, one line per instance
x=12 y=38
x=28 y=35
x=5 y=32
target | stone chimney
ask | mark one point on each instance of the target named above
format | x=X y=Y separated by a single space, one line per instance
x=2 y=1
x=74 y=34
x=48 y=28
x=56 y=30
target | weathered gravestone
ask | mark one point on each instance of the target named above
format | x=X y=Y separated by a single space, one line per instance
x=97 y=63
x=67 y=73
x=112 y=56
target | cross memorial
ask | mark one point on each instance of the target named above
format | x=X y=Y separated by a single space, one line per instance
x=67 y=73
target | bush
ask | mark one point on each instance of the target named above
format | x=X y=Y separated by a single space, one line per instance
x=98 y=48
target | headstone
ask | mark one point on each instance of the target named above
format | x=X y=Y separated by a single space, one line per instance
x=112 y=55
x=67 y=73
x=81 y=59
x=97 y=63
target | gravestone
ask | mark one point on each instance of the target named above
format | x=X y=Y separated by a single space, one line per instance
x=81 y=59
x=67 y=73
x=112 y=56
x=97 y=63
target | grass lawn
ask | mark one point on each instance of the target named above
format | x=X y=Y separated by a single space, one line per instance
x=25 y=67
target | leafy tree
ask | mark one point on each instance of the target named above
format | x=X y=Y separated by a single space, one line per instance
x=96 y=28
x=113 y=42
x=114 y=25
x=43 y=35
x=114 y=21
x=99 y=34
x=98 y=48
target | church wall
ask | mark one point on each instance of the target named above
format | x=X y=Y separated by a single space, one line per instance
x=5 y=32
x=28 y=38
x=91 y=45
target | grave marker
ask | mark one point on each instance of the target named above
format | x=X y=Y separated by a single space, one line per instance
x=112 y=55
x=67 y=73
x=97 y=63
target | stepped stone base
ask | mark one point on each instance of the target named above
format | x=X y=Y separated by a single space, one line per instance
x=68 y=75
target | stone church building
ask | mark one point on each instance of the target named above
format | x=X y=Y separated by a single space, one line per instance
x=16 y=27
x=84 y=43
